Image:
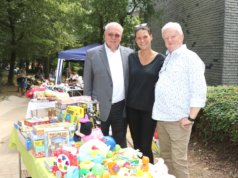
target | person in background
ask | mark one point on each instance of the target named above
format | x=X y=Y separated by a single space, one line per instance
x=179 y=95
x=74 y=78
x=38 y=80
x=22 y=81
x=40 y=71
x=106 y=80
x=144 y=67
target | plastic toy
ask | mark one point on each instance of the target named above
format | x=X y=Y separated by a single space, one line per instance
x=113 y=167
x=145 y=163
x=84 y=129
x=106 y=174
x=75 y=113
x=155 y=144
x=65 y=159
x=109 y=141
x=117 y=148
x=86 y=165
x=83 y=172
x=98 y=170
x=38 y=148
x=90 y=149
x=73 y=172
x=67 y=117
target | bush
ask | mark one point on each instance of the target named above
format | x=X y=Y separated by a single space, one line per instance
x=218 y=121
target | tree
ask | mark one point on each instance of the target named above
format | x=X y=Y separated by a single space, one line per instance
x=10 y=17
x=36 y=30
x=127 y=12
x=33 y=30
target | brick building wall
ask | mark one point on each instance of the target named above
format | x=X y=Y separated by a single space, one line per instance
x=210 y=29
x=230 y=54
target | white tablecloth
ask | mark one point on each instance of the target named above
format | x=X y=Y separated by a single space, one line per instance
x=36 y=105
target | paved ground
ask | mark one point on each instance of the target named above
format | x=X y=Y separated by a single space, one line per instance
x=13 y=108
x=203 y=162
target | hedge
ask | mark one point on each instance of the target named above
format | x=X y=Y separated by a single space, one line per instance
x=218 y=121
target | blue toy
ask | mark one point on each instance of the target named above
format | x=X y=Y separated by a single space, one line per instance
x=109 y=141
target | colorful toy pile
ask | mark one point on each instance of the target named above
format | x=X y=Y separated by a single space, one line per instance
x=73 y=146
x=72 y=120
x=97 y=159
x=48 y=138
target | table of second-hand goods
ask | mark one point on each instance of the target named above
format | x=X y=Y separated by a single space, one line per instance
x=35 y=166
x=35 y=105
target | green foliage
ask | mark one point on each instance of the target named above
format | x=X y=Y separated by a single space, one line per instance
x=37 y=30
x=95 y=16
x=33 y=30
x=218 y=121
x=128 y=34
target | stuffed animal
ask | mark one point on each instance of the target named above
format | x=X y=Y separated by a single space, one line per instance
x=160 y=170
x=92 y=149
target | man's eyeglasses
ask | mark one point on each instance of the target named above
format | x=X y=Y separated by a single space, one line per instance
x=114 y=35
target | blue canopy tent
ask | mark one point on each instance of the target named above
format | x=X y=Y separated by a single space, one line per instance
x=77 y=54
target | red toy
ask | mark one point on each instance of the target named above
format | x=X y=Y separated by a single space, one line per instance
x=64 y=160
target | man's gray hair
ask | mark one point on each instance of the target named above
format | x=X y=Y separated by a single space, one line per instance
x=172 y=25
x=113 y=24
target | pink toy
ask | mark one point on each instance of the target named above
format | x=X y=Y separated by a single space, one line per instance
x=96 y=133
x=86 y=131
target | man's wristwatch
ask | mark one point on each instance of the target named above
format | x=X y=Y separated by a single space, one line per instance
x=191 y=119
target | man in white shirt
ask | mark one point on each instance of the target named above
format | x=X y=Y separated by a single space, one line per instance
x=180 y=93
x=106 y=80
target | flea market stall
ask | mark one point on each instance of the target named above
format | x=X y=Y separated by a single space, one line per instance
x=78 y=54
x=74 y=84
x=67 y=142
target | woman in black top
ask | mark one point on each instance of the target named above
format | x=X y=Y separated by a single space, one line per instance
x=144 y=67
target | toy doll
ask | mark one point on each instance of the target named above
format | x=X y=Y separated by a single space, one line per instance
x=84 y=129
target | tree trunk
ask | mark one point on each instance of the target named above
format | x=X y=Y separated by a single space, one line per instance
x=46 y=67
x=11 y=70
x=13 y=51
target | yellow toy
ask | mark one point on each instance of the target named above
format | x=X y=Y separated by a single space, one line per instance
x=72 y=114
x=145 y=163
